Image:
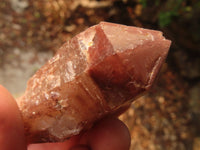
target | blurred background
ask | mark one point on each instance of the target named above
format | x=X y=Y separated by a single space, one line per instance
x=168 y=117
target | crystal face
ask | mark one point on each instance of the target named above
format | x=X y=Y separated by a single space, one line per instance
x=97 y=73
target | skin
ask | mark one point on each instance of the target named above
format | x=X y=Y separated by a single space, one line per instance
x=107 y=134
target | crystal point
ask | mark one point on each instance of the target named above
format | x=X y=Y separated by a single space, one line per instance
x=97 y=73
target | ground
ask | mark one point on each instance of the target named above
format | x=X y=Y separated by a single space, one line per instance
x=168 y=116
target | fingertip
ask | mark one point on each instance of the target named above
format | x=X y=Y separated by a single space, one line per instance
x=11 y=125
x=108 y=134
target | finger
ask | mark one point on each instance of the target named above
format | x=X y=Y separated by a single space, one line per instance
x=11 y=125
x=80 y=147
x=109 y=134
x=55 y=146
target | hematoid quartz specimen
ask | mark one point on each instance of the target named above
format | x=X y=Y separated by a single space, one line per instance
x=97 y=73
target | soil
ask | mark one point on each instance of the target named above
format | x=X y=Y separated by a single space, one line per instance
x=166 y=118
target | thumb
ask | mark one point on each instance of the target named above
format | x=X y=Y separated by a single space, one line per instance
x=11 y=125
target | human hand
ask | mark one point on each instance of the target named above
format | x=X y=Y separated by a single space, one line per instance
x=107 y=134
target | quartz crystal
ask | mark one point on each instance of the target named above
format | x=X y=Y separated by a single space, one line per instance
x=97 y=73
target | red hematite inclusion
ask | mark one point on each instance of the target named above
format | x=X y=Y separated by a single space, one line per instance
x=97 y=73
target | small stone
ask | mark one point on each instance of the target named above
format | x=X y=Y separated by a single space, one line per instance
x=70 y=28
x=19 y=5
x=97 y=73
